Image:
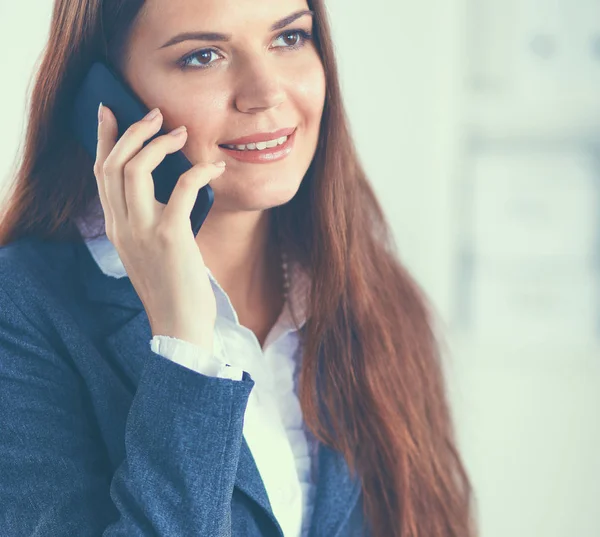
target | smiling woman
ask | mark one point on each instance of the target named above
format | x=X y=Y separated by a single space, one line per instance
x=276 y=375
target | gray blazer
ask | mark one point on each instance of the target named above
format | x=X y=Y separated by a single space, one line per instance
x=101 y=436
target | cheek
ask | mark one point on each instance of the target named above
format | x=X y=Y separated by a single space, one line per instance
x=201 y=110
x=309 y=92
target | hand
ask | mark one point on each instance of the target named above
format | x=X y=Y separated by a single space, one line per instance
x=155 y=241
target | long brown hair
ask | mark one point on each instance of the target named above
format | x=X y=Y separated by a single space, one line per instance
x=371 y=382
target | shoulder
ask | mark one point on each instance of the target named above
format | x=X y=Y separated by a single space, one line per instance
x=32 y=251
x=34 y=271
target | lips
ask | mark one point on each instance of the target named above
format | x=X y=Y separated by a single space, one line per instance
x=263 y=156
x=260 y=137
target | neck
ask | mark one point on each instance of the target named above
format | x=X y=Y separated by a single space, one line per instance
x=236 y=247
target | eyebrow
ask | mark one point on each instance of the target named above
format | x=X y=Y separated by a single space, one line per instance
x=214 y=36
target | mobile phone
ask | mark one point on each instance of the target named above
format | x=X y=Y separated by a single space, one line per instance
x=103 y=84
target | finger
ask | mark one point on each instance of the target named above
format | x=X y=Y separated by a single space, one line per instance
x=182 y=200
x=139 y=185
x=126 y=147
x=111 y=171
x=104 y=145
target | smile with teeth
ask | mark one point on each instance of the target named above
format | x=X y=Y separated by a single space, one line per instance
x=259 y=146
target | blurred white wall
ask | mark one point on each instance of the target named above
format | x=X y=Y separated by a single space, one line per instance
x=478 y=123
x=23 y=31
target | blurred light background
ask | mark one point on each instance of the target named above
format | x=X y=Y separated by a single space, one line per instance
x=478 y=122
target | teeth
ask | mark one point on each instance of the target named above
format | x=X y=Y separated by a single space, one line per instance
x=259 y=146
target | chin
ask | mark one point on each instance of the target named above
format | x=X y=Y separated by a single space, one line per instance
x=256 y=196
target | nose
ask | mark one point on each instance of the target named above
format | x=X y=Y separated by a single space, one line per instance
x=259 y=87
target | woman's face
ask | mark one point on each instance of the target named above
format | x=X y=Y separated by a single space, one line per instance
x=257 y=73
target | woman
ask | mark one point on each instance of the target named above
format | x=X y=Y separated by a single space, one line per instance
x=277 y=375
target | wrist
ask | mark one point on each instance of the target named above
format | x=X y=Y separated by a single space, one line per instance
x=203 y=337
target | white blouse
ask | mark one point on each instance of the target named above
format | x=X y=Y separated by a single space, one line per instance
x=282 y=447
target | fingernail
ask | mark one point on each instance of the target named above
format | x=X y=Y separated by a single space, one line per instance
x=178 y=130
x=100 y=112
x=152 y=114
x=220 y=164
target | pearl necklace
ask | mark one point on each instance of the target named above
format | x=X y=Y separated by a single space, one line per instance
x=284 y=266
x=286 y=276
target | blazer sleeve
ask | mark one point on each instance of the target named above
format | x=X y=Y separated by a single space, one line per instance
x=182 y=442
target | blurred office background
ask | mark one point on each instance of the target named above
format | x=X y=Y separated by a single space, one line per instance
x=479 y=124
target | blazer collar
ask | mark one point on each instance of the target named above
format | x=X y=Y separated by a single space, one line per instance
x=337 y=491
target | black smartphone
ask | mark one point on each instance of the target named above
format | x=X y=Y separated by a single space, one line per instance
x=102 y=84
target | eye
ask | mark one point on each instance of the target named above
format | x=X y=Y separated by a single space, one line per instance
x=290 y=39
x=205 y=57
x=293 y=39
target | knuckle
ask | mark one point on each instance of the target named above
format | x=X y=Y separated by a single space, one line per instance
x=133 y=129
x=131 y=168
x=165 y=234
x=140 y=128
x=97 y=169
x=188 y=180
x=109 y=167
x=194 y=177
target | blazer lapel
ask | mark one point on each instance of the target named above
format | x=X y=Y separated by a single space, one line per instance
x=249 y=481
x=336 y=496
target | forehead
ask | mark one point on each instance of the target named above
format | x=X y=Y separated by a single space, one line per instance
x=163 y=18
